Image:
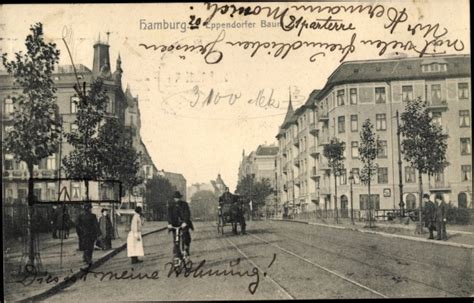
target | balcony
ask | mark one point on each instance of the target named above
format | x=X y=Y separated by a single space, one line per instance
x=297 y=181
x=296 y=161
x=285 y=187
x=285 y=169
x=323 y=116
x=314 y=173
x=296 y=143
x=313 y=196
x=313 y=128
x=301 y=132
x=439 y=186
x=323 y=140
x=15 y=174
x=438 y=105
x=284 y=153
x=324 y=166
x=314 y=151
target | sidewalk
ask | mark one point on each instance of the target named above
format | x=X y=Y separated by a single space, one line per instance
x=458 y=234
x=50 y=252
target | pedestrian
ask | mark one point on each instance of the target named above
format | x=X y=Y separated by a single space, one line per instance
x=134 y=239
x=88 y=231
x=441 y=211
x=106 y=230
x=54 y=218
x=179 y=215
x=429 y=214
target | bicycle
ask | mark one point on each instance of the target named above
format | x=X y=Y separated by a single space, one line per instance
x=183 y=258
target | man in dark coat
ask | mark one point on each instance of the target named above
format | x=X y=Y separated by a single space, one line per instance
x=429 y=214
x=88 y=231
x=179 y=215
x=106 y=230
x=441 y=211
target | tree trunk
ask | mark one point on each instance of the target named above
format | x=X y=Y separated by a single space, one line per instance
x=30 y=216
x=370 y=201
x=335 y=198
x=420 y=182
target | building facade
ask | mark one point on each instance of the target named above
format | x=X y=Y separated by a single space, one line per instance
x=121 y=105
x=260 y=163
x=177 y=180
x=376 y=90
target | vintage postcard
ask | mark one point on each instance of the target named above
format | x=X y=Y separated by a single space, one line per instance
x=236 y=151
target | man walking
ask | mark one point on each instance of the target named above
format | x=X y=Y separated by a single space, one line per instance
x=88 y=231
x=441 y=211
x=179 y=215
x=106 y=230
x=429 y=214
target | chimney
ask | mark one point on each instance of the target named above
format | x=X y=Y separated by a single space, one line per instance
x=101 y=64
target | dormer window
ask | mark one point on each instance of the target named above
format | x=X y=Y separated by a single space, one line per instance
x=434 y=67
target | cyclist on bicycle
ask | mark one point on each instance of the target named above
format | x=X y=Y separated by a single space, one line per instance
x=179 y=215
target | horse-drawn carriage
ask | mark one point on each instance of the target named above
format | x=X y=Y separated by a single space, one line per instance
x=230 y=211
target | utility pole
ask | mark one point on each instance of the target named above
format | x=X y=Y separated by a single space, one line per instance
x=400 y=177
x=351 y=180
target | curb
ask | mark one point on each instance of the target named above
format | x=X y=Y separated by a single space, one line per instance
x=384 y=234
x=72 y=278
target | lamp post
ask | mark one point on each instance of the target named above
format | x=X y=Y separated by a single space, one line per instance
x=351 y=181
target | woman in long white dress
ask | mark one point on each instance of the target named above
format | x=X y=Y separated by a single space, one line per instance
x=134 y=239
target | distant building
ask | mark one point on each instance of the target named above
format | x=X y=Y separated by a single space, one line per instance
x=260 y=163
x=219 y=185
x=194 y=188
x=177 y=180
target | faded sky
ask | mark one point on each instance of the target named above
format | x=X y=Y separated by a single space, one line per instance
x=202 y=141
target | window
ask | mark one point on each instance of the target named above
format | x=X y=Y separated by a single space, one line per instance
x=436 y=117
x=9 y=106
x=380 y=95
x=340 y=97
x=464 y=118
x=43 y=163
x=343 y=177
x=355 y=175
x=355 y=149
x=110 y=106
x=74 y=127
x=382 y=149
x=353 y=95
x=410 y=174
x=381 y=122
x=382 y=175
x=407 y=93
x=364 y=202
x=465 y=146
x=51 y=162
x=435 y=92
x=37 y=193
x=9 y=162
x=463 y=91
x=75 y=190
x=74 y=103
x=341 y=124
x=466 y=172
x=354 y=123
x=410 y=201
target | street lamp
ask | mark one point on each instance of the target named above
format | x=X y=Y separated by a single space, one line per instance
x=351 y=181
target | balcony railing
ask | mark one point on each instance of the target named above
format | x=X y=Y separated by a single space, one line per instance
x=438 y=104
x=324 y=166
x=296 y=161
x=314 y=173
x=297 y=181
x=285 y=187
x=323 y=140
x=440 y=186
x=313 y=128
x=285 y=169
x=323 y=116
x=314 y=151
x=313 y=196
x=296 y=143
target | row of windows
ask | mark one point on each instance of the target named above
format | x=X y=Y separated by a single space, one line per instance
x=11 y=164
x=407 y=94
x=110 y=109
x=410 y=175
x=381 y=121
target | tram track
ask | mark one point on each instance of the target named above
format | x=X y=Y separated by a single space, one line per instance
x=300 y=258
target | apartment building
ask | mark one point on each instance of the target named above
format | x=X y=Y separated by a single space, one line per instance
x=376 y=90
